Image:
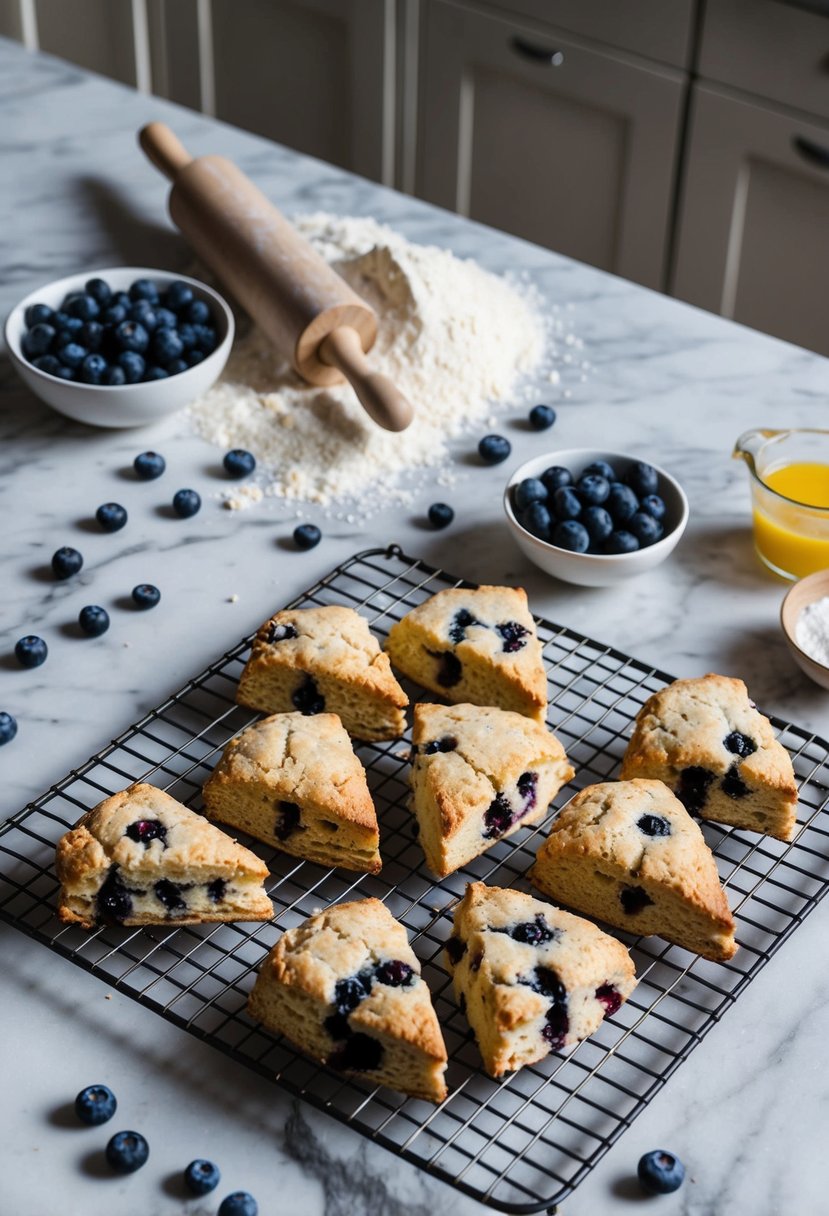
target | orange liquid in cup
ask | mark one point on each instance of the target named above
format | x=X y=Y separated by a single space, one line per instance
x=788 y=536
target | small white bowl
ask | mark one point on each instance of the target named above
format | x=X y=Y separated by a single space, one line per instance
x=120 y=405
x=805 y=591
x=596 y=569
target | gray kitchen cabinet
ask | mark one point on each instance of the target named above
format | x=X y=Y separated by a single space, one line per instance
x=549 y=139
x=754 y=218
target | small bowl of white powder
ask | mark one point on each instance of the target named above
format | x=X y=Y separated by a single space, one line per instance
x=804 y=615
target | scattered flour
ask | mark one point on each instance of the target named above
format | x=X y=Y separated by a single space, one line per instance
x=812 y=631
x=455 y=338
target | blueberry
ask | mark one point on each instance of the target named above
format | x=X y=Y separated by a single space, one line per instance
x=114 y=314
x=530 y=490
x=448 y=743
x=66 y=373
x=566 y=503
x=493 y=449
x=533 y=933
x=739 y=744
x=600 y=468
x=542 y=417
x=143 y=289
x=621 y=542
x=642 y=478
x=82 y=306
x=206 y=338
x=396 y=974
x=170 y=895
x=92 y=369
x=145 y=595
x=733 y=785
x=622 y=503
x=178 y=295
x=186 y=503
x=692 y=789
x=121 y=299
x=593 y=489
x=498 y=818
x=645 y=528
x=653 y=825
x=113 y=901
x=287 y=820
x=114 y=375
x=131 y=336
x=72 y=355
x=64 y=323
x=48 y=363
x=132 y=365
x=167 y=318
x=610 y=997
x=143 y=313
x=38 y=314
x=653 y=505
x=188 y=335
x=194 y=356
x=537 y=519
x=126 y=1152
x=634 y=899
x=513 y=636
x=156 y=373
x=66 y=562
x=93 y=620
x=91 y=335
x=239 y=1203
x=450 y=668
x=239 y=463
x=571 y=535
x=176 y=366
x=149 y=465
x=440 y=515
x=145 y=831
x=279 y=633
x=306 y=536
x=8 y=728
x=307 y=698
x=461 y=621
x=38 y=340
x=555 y=477
x=359 y=1053
x=216 y=890
x=111 y=516
x=166 y=346
x=456 y=949
x=201 y=1177
x=598 y=523
x=660 y=1173
x=99 y=289
x=197 y=313
x=350 y=992
x=31 y=651
x=95 y=1105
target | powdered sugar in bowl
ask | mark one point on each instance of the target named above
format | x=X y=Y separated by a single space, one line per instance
x=804 y=616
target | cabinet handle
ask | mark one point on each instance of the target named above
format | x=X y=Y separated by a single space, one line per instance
x=816 y=154
x=539 y=54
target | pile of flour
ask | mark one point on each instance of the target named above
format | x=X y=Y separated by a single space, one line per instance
x=456 y=339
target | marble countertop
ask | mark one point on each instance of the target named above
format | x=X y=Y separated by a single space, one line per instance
x=667 y=381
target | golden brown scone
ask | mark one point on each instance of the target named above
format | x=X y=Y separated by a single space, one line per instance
x=479 y=774
x=628 y=853
x=474 y=646
x=531 y=978
x=318 y=659
x=706 y=740
x=141 y=858
x=294 y=782
x=345 y=987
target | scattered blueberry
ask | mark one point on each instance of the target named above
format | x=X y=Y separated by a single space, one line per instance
x=555 y=477
x=566 y=503
x=126 y=1152
x=530 y=490
x=149 y=465
x=622 y=503
x=111 y=516
x=542 y=417
x=93 y=620
x=600 y=468
x=144 y=289
x=31 y=651
x=145 y=595
x=645 y=528
x=186 y=503
x=493 y=449
x=38 y=314
x=642 y=478
x=92 y=369
x=598 y=523
x=239 y=463
x=440 y=515
x=660 y=1172
x=133 y=366
x=593 y=489
x=8 y=728
x=66 y=562
x=306 y=536
x=201 y=1177
x=537 y=519
x=621 y=542
x=533 y=933
x=653 y=505
x=572 y=535
x=95 y=1105
x=240 y=1203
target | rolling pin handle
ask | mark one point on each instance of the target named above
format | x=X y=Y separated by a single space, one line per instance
x=381 y=399
x=164 y=149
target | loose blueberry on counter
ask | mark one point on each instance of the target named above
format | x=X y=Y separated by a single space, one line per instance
x=513 y=636
x=31 y=651
x=95 y=1105
x=132 y=365
x=307 y=536
x=66 y=562
x=239 y=1203
x=566 y=503
x=598 y=523
x=111 y=516
x=634 y=899
x=493 y=449
x=528 y=491
x=38 y=314
x=131 y=336
x=555 y=477
x=653 y=825
x=8 y=727
x=126 y=1152
x=592 y=489
x=621 y=542
x=600 y=468
x=733 y=785
x=396 y=974
x=287 y=820
x=447 y=744
x=281 y=633
x=239 y=463
x=692 y=789
x=571 y=535
x=621 y=503
x=739 y=744
x=144 y=831
x=201 y=1177
x=660 y=1172
x=440 y=515
x=653 y=505
x=645 y=528
x=186 y=503
x=307 y=698
x=642 y=478
x=610 y=997
x=537 y=519
x=149 y=465
x=93 y=620
x=143 y=289
x=145 y=595
x=456 y=949
x=542 y=417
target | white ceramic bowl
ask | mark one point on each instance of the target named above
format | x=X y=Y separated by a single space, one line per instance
x=805 y=591
x=596 y=569
x=119 y=405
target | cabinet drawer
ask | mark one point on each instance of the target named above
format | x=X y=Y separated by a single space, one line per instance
x=774 y=50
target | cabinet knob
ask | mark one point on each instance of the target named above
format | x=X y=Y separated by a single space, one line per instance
x=539 y=54
x=814 y=153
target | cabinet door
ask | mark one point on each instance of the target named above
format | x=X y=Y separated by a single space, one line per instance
x=537 y=135
x=754 y=219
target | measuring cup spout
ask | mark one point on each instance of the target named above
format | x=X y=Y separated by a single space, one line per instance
x=749 y=444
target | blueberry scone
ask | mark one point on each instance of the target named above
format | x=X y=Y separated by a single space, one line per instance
x=477 y=646
x=345 y=987
x=295 y=783
x=531 y=978
x=628 y=853
x=706 y=740
x=477 y=775
x=141 y=858
x=318 y=659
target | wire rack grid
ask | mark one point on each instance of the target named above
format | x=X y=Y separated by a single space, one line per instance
x=520 y=1144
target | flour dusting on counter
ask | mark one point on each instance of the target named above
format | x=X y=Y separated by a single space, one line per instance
x=455 y=338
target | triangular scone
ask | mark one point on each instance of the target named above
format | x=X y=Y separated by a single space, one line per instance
x=478 y=774
x=324 y=659
x=474 y=646
x=141 y=858
x=345 y=987
x=531 y=978
x=628 y=853
x=294 y=782
x=706 y=740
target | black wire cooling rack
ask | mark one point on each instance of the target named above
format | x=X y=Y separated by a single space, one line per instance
x=520 y=1144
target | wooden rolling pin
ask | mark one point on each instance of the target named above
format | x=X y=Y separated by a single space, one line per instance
x=304 y=307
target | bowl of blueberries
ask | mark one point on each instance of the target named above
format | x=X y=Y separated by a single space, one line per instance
x=594 y=518
x=120 y=347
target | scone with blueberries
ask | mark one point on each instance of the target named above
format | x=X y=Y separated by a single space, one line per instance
x=141 y=858
x=474 y=646
x=479 y=774
x=345 y=987
x=629 y=854
x=294 y=782
x=707 y=741
x=315 y=660
x=531 y=978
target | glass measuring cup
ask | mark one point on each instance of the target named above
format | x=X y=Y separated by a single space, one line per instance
x=789 y=482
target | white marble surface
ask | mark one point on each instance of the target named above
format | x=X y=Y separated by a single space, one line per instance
x=746 y=1111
